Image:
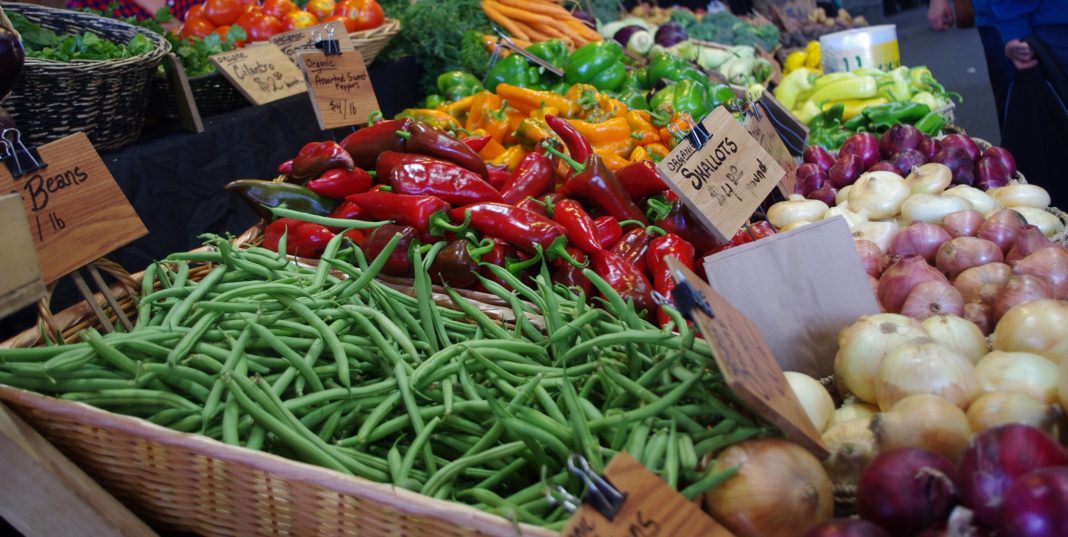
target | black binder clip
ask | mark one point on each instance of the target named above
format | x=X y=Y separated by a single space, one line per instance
x=600 y=494
x=330 y=45
x=695 y=132
x=19 y=159
x=688 y=299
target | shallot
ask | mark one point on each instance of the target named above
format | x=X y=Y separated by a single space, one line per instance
x=963 y=253
x=1028 y=240
x=962 y=223
x=983 y=283
x=898 y=280
x=1001 y=228
x=919 y=238
x=872 y=258
x=1020 y=289
x=933 y=298
x=1049 y=263
x=981 y=315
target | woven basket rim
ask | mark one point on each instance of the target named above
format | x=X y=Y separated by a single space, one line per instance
x=388 y=27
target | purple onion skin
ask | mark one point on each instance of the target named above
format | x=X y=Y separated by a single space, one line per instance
x=845 y=171
x=864 y=145
x=964 y=142
x=1003 y=156
x=899 y=138
x=991 y=173
x=906 y=160
x=958 y=162
x=885 y=166
x=930 y=147
x=1037 y=505
x=669 y=34
x=826 y=194
x=586 y=18
x=819 y=156
x=809 y=178
x=906 y=490
x=622 y=35
x=846 y=527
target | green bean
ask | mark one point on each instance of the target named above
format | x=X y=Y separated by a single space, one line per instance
x=607 y=340
x=501 y=475
x=342 y=223
x=671 y=464
x=492 y=328
x=294 y=359
x=393 y=457
x=110 y=354
x=413 y=412
x=332 y=341
x=450 y=471
x=708 y=483
x=231 y=413
x=654 y=450
x=317 y=416
x=375 y=417
x=584 y=440
x=177 y=314
x=419 y=444
x=62 y=385
x=256 y=438
x=328 y=428
x=131 y=396
x=425 y=302
x=648 y=410
x=185 y=346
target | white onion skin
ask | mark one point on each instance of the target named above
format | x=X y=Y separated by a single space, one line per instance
x=981 y=315
x=924 y=366
x=1000 y=408
x=862 y=346
x=963 y=253
x=923 y=421
x=852 y=446
x=1037 y=327
x=958 y=334
x=853 y=411
x=1020 y=372
x=962 y=223
x=983 y=283
x=814 y=399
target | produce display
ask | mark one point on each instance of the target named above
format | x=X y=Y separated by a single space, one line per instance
x=719 y=27
x=539 y=20
x=817 y=24
x=809 y=57
x=262 y=20
x=39 y=42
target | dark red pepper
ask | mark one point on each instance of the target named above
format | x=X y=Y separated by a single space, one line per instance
x=624 y=277
x=537 y=205
x=349 y=210
x=316 y=157
x=358 y=236
x=533 y=177
x=580 y=229
x=498 y=255
x=367 y=143
x=633 y=246
x=675 y=217
x=641 y=179
x=446 y=180
x=572 y=276
x=400 y=261
x=750 y=233
x=499 y=176
x=286 y=168
x=477 y=143
x=577 y=144
x=391 y=159
x=429 y=215
x=661 y=247
x=339 y=183
x=519 y=227
x=303 y=239
x=608 y=230
x=432 y=141
x=455 y=265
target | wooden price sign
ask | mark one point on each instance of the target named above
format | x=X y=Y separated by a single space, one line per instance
x=746 y=361
x=188 y=112
x=21 y=284
x=725 y=179
x=262 y=73
x=76 y=211
x=760 y=128
x=340 y=88
x=650 y=508
x=304 y=39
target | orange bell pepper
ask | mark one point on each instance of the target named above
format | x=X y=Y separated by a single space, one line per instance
x=437 y=118
x=487 y=113
x=615 y=107
x=611 y=159
x=458 y=109
x=622 y=147
x=492 y=150
x=610 y=131
x=657 y=151
x=528 y=100
x=639 y=154
x=641 y=127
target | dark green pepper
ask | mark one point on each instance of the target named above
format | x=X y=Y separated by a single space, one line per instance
x=720 y=94
x=560 y=88
x=856 y=123
x=433 y=100
x=887 y=115
x=931 y=124
x=514 y=70
x=684 y=96
x=599 y=64
x=553 y=51
x=455 y=85
x=261 y=194
x=673 y=69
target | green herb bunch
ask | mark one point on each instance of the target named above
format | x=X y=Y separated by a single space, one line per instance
x=40 y=42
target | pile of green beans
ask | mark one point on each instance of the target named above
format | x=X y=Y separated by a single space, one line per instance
x=354 y=375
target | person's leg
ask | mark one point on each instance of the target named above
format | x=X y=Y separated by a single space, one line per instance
x=998 y=67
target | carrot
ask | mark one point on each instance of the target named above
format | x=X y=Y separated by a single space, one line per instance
x=519 y=15
x=579 y=27
x=535 y=35
x=498 y=17
x=542 y=8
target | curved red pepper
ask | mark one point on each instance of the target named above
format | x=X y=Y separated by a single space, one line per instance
x=338 y=183
x=286 y=168
x=608 y=230
x=659 y=249
x=399 y=262
x=429 y=215
x=641 y=179
x=388 y=160
x=624 y=277
x=432 y=141
x=303 y=239
x=537 y=205
x=316 y=157
x=598 y=185
x=477 y=143
x=578 y=225
x=348 y=210
x=358 y=236
x=532 y=178
x=499 y=177
x=452 y=183
x=679 y=220
x=518 y=227
x=572 y=276
x=577 y=145
x=367 y=143
x=632 y=247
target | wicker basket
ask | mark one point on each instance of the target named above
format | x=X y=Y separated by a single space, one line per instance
x=104 y=98
x=212 y=92
x=371 y=42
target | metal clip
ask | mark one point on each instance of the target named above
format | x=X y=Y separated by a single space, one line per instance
x=687 y=299
x=20 y=160
x=600 y=494
x=696 y=132
x=494 y=58
x=330 y=46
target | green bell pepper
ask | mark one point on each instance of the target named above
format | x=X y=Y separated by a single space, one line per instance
x=514 y=70
x=433 y=100
x=633 y=98
x=720 y=94
x=560 y=88
x=683 y=96
x=887 y=115
x=599 y=64
x=553 y=51
x=455 y=85
x=668 y=67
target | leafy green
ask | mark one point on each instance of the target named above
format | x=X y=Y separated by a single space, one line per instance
x=603 y=10
x=684 y=17
x=473 y=55
x=45 y=44
x=723 y=27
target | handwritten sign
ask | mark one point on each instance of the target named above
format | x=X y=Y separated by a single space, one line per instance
x=340 y=88
x=21 y=284
x=726 y=179
x=652 y=508
x=760 y=128
x=76 y=211
x=262 y=73
x=747 y=364
x=304 y=39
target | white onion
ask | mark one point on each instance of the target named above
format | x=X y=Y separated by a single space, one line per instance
x=813 y=397
x=1001 y=408
x=853 y=411
x=795 y=209
x=841 y=199
x=957 y=334
x=794 y=225
x=931 y=208
x=1021 y=195
x=881 y=233
x=852 y=219
x=1045 y=221
x=862 y=346
x=930 y=178
x=924 y=366
x=923 y=421
x=879 y=193
x=980 y=201
x=1040 y=326
x=852 y=446
x=1021 y=372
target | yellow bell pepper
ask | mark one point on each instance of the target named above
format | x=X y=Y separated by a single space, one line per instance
x=639 y=154
x=528 y=100
x=794 y=60
x=657 y=151
x=487 y=113
x=853 y=107
x=611 y=159
x=510 y=157
x=532 y=131
x=459 y=108
x=613 y=130
x=437 y=118
x=621 y=147
x=808 y=111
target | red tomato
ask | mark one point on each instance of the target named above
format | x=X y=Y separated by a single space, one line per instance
x=279 y=8
x=321 y=8
x=195 y=12
x=197 y=28
x=248 y=14
x=222 y=31
x=263 y=27
x=349 y=23
x=365 y=14
x=222 y=12
x=296 y=20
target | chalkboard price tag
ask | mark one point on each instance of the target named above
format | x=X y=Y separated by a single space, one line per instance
x=340 y=88
x=76 y=211
x=651 y=508
x=262 y=72
x=725 y=179
x=304 y=39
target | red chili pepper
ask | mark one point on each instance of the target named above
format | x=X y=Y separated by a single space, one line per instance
x=315 y=158
x=446 y=180
x=429 y=215
x=659 y=249
x=498 y=255
x=286 y=168
x=338 y=183
x=532 y=178
x=751 y=233
x=367 y=143
x=580 y=229
x=499 y=177
x=358 y=236
x=391 y=159
x=624 y=277
x=641 y=179
x=349 y=210
x=457 y=264
x=399 y=262
x=521 y=228
x=674 y=217
x=477 y=143
x=303 y=239
x=632 y=247
x=577 y=144
x=273 y=232
x=572 y=276
x=537 y=205
x=608 y=230
x=432 y=141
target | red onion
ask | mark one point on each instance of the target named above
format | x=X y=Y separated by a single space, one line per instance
x=846 y=527
x=1029 y=239
x=933 y=298
x=845 y=170
x=1050 y=264
x=809 y=178
x=990 y=173
x=919 y=238
x=982 y=315
x=872 y=257
x=906 y=160
x=1001 y=228
x=1037 y=505
x=819 y=156
x=958 y=162
x=1020 y=289
x=963 y=253
x=963 y=223
x=930 y=147
x=1002 y=155
x=898 y=280
x=963 y=142
x=906 y=490
x=983 y=283
x=874 y=283
x=865 y=146
x=899 y=138
x=995 y=458
x=826 y=194
x=885 y=166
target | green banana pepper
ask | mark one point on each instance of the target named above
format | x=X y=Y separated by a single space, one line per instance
x=683 y=96
x=599 y=64
x=455 y=85
x=261 y=195
x=514 y=70
x=931 y=124
x=887 y=115
x=553 y=51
